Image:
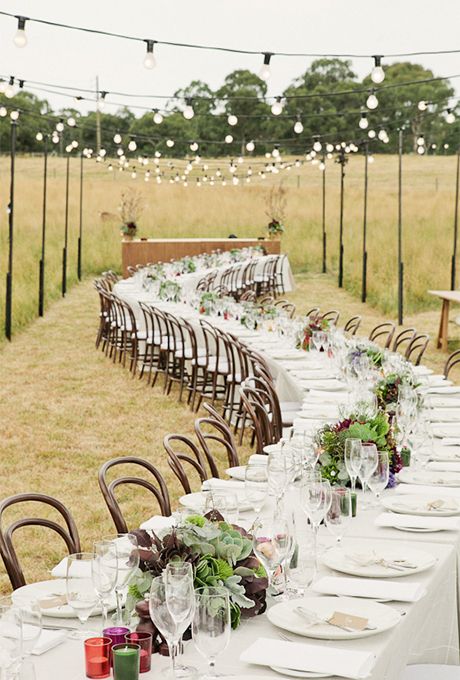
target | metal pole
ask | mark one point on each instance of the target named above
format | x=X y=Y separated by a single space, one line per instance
x=81 y=221
x=66 y=230
x=9 y=274
x=342 y=161
x=98 y=117
x=324 y=218
x=400 y=253
x=41 y=271
x=454 y=252
x=364 y=281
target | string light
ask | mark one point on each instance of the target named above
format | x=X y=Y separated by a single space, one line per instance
x=170 y=143
x=371 y=134
x=20 y=37
x=232 y=119
x=317 y=146
x=71 y=122
x=188 y=112
x=149 y=59
x=3 y=111
x=14 y=115
x=372 y=102
x=277 y=107
x=378 y=74
x=60 y=126
x=363 y=121
x=10 y=89
x=193 y=146
x=422 y=105
x=250 y=146
x=157 y=117
x=100 y=104
x=132 y=146
x=421 y=140
x=329 y=148
x=117 y=138
x=39 y=137
x=450 y=117
x=265 y=70
x=228 y=139
x=298 y=127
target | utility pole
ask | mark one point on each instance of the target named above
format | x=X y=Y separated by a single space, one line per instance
x=98 y=117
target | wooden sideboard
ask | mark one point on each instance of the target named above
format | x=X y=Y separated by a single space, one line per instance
x=140 y=251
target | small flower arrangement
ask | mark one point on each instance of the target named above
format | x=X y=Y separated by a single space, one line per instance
x=221 y=555
x=276 y=202
x=275 y=228
x=315 y=322
x=130 y=209
x=331 y=442
x=188 y=265
x=387 y=389
x=207 y=303
x=374 y=353
x=170 y=291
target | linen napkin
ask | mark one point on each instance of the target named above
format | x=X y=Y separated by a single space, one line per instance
x=79 y=569
x=445 y=453
x=304 y=374
x=448 y=388
x=306 y=656
x=326 y=385
x=445 y=415
x=215 y=484
x=259 y=459
x=447 y=430
x=392 y=519
x=445 y=402
x=49 y=639
x=422 y=370
x=445 y=466
x=158 y=523
x=400 y=591
x=439 y=492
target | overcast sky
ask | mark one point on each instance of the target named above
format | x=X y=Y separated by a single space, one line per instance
x=326 y=26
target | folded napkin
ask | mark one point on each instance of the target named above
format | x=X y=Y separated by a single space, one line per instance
x=444 y=466
x=158 y=523
x=449 y=441
x=445 y=415
x=49 y=639
x=392 y=519
x=445 y=402
x=447 y=430
x=445 y=453
x=306 y=656
x=326 y=411
x=439 y=492
x=260 y=459
x=327 y=385
x=215 y=484
x=304 y=374
x=79 y=569
x=400 y=591
x=422 y=370
x=307 y=424
x=448 y=388
x=324 y=397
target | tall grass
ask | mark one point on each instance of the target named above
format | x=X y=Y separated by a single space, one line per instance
x=177 y=211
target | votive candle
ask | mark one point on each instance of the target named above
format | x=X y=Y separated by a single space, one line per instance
x=126 y=661
x=116 y=635
x=97 y=657
x=144 y=640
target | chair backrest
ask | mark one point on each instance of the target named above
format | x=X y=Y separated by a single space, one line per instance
x=248 y=296
x=214 y=413
x=352 y=325
x=404 y=336
x=68 y=533
x=131 y=270
x=332 y=316
x=211 y=432
x=314 y=311
x=385 y=331
x=452 y=361
x=416 y=349
x=254 y=404
x=157 y=487
x=287 y=307
x=265 y=300
x=175 y=446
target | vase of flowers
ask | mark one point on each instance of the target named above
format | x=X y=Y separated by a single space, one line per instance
x=315 y=322
x=276 y=202
x=130 y=210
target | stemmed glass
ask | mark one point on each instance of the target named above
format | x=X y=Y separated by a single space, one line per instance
x=339 y=515
x=104 y=572
x=127 y=557
x=256 y=486
x=369 y=462
x=378 y=481
x=316 y=501
x=81 y=594
x=20 y=629
x=278 y=475
x=353 y=452
x=180 y=601
x=271 y=542
x=211 y=625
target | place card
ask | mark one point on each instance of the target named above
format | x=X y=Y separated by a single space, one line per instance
x=53 y=601
x=344 y=620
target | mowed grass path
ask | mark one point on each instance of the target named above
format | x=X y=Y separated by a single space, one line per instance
x=65 y=409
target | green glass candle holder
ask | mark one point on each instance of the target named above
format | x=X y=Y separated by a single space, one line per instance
x=126 y=661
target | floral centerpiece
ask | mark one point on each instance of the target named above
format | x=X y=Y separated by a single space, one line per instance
x=188 y=265
x=170 y=291
x=130 y=209
x=207 y=303
x=221 y=555
x=372 y=352
x=331 y=442
x=315 y=322
x=387 y=389
x=276 y=202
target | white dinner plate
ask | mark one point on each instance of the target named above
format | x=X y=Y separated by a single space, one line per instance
x=445 y=454
x=350 y=560
x=419 y=505
x=291 y=673
x=287 y=354
x=196 y=501
x=417 y=530
x=237 y=472
x=43 y=589
x=429 y=477
x=381 y=617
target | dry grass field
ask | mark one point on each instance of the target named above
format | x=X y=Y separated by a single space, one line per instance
x=174 y=210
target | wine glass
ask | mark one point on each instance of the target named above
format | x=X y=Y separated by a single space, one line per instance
x=277 y=473
x=226 y=504
x=127 y=557
x=180 y=601
x=316 y=501
x=81 y=595
x=256 y=486
x=369 y=461
x=339 y=515
x=353 y=452
x=10 y=638
x=211 y=625
x=271 y=542
x=301 y=571
x=378 y=481
x=104 y=572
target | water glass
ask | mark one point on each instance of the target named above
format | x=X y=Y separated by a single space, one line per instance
x=127 y=558
x=256 y=486
x=369 y=461
x=211 y=626
x=378 y=481
x=271 y=542
x=339 y=516
x=81 y=594
x=277 y=473
x=104 y=572
x=316 y=501
x=226 y=504
x=353 y=454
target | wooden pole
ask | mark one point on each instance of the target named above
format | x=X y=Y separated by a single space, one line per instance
x=324 y=219
x=454 y=251
x=66 y=229
x=400 y=250
x=342 y=160
x=41 y=271
x=9 y=274
x=80 y=234
x=364 y=275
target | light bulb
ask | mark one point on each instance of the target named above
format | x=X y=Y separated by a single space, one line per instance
x=157 y=118
x=329 y=148
x=317 y=146
x=329 y=156
x=370 y=159
x=275 y=153
x=371 y=134
x=298 y=127
x=39 y=137
x=363 y=122
x=265 y=70
x=312 y=154
x=20 y=37
x=322 y=166
x=110 y=167
x=14 y=115
x=71 y=122
x=55 y=139
x=117 y=138
x=132 y=146
x=10 y=90
x=277 y=107
x=157 y=154
x=232 y=119
x=372 y=102
x=75 y=146
x=382 y=135
x=3 y=111
x=450 y=118
x=188 y=112
x=69 y=148
x=120 y=152
x=193 y=146
x=60 y=126
x=421 y=150
x=149 y=59
x=378 y=74
x=446 y=146
x=228 y=139
x=170 y=143
x=102 y=152
x=134 y=174
x=250 y=146
x=422 y=105
x=420 y=140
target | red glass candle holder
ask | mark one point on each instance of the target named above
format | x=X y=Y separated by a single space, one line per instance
x=144 y=640
x=97 y=657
